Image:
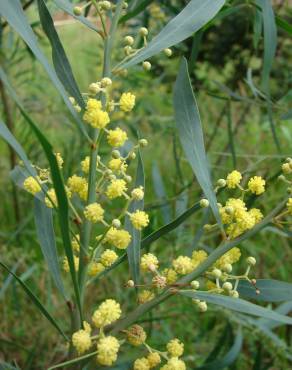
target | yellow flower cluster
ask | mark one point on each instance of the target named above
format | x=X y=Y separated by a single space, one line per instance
x=108 y=312
x=116 y=188
x=117 y=137
x=108 y=257
x=145 y=296
x=238 y=218
x=118 y=238
x=256 y=185
x=31 y=185
x=175 y=348
x=81 y=341
x=94 y=115
x=107 y=350
x=94 y=212
x=228 y=258
x=78 y=185
x=184 y=265
x=118 y=165
x=139 y=219
x=127 y=102
x=289 y=206
x=233 y=179
x=136 y=335
x=149 y=262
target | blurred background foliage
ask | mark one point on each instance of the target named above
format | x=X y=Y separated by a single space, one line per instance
x=225 y=61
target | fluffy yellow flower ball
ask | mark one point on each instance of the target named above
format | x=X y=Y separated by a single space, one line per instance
x=117 y=137
x=139 y=219
x=198 y=257
x=78 y=185
x=233 y=179
x=94 y=212
x=108 y=312
x=107 y=350
x=145 y=296
x=174 y=364
x=127 y=102
x=175 y=348
x=116 y=188
x=230 y=257
x=136 y=335
x=75 y=242
x=81 y=341
x=183 y=265
x=94 y=115
x=31 y=185
x=118 y=238
x=60 y=160
x=95 y=268
x=149 y=262
x=170 y=275
x=138 y=193
x=153 y=359
x=66 y=267
x=93 y=104
x=108 y=257
x=51 y=199
x=141 y=364
x=257 y=185
x=256 y=214
x=117 y=164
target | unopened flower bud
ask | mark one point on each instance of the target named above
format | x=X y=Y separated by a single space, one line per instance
x=146 y=65
x=77 y=10
x=143 y=142
x=204 y=203
x=128 y=179
x=116 y=154
x=77 y=108
x=251 y=261
x=143 y=31
x=129 y=40
x=125 y=5
x=207 y=227
x=72 y=100
x=221 y=183
x=227 y=286
x=233 y=294
x=116 y=223
x=227 y=268
x=152 y=267
x=281 y=178
x=130 y=284
x=286 y=168
x=229 y=210
x=94 y=88
x=195 y=284
x=202 y=306
x=217 y=273
x=128 y=49
x=106 y=81
x=132 y=155
x=137 y=193
x=105 y=5
x=253 y=281
x=168 y=52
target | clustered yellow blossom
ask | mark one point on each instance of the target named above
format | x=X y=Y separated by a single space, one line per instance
x=107 y=313
x=78 y=185
x=94 y=115
x=107 y=350
x=108 y=257
x=127 y=102
x=149 y=262
x=238 y=218
x=145 y=296
x=119 y=238
x=116 y=188
x=31 y=185
x=233 y=179
x=136 y=335
x=139 y=219
x=94 y=212
x=66 y=267
x=117 y=137
x=81 y=341
x=256 y=185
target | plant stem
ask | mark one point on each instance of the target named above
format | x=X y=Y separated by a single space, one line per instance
x=95 y=134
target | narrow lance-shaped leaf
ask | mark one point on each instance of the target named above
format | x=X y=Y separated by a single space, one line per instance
x=36 y=301
x=193 y=17
x=133 y=250
x=237 y=304
x=60 y=60
x=229 y=358
x=12 y=11
x=46 y=235
x=270 y=40
x=270 y=290
x=191 y=134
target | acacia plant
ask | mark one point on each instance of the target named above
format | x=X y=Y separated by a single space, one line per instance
x=99 y=207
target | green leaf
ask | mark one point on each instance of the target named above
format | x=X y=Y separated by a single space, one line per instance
x=191 y=135
x=60 y=60
x=10 y=139
x=230 y=356
x=134 y=249
x=270 y=290
x=270 y=40
x=36 y=301
x=284 y=25
x=46 y=235
x=284 y=309
x=68 y=8
x=12 y=11
x=193 y=17
x=8 y=281
x=237 y=304
x=161 y=193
